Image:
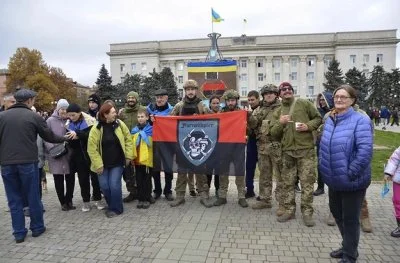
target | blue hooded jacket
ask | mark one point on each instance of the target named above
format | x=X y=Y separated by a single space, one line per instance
x=345 y=151
x=328 y=97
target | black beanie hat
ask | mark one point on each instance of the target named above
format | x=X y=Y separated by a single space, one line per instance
x=95 y=98
x=73 y=107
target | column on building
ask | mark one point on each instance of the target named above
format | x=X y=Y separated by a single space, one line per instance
x=320 y=74
x=237 y=59
x=252 y=74
x=302 y=77
x=285 y=69
x=268 y=70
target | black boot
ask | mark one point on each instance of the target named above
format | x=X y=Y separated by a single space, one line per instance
x=396 y=232
x=129 y=198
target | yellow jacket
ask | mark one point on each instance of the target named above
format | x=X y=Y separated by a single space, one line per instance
x=95 y=148
x=144 y=152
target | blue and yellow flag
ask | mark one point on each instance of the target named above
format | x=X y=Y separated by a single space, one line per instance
x=215 y=17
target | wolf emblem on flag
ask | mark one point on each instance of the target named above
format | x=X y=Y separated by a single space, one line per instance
x=197 y=139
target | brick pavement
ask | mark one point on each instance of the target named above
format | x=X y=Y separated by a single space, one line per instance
x=192 y=233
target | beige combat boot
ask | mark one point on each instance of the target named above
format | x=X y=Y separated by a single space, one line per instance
x=280 y=211
x=262 y=204
x=308 y=220
x=366 y=225
x=286 y=217
x=180 y=200
x=205 y=200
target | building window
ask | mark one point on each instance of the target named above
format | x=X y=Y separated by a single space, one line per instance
x=122 y=67
x=260 y=77
x=352 y=59
x=310 y=75
x=180 y=79
x=243 y=91
x=211 y=75
x=311 y=62
x=293 y=76
x=144 y=66
x=133 y=66
x=260 y=63
x=366 y=58
x=293 y=62
x=295 y=90
x=243 y=77
x=310 y=90
x=277 y=76
x=243 y=63
x=276 y=63
x=180 y=66
x=328 y=62
x=379 y=58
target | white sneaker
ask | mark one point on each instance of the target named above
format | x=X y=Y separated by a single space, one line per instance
x=86 y=207
x=100 y=205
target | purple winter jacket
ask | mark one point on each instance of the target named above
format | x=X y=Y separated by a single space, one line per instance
x=61 y=164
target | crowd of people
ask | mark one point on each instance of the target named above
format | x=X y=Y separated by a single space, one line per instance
x=289 y=138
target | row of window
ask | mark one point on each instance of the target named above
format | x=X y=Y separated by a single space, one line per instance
x=276 y=62
x=277 y=76
x=122 y=67
x=353 y=58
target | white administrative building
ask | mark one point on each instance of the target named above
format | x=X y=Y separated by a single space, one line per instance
x=301 y=59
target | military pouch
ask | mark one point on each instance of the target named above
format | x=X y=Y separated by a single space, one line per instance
x=264 y=129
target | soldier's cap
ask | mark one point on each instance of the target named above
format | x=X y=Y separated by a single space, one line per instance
x=24 y=95
x=160 y=92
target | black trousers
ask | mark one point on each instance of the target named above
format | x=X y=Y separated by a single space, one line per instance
x=157 y=182
x=143 y=181
x=216 y=181
x=345 y=208
x=66 y=197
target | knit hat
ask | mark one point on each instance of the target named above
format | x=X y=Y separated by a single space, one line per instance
x=95 y=98
x=74 y=108
x=133 y=94
x=62 y=103
x=285 y=84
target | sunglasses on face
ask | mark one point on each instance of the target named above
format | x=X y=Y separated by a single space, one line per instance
x=285 y=89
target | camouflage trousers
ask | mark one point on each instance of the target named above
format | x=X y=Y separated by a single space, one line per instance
x=299 y=163
x=191 y=182
x=130 y=179
x=269 y=165
x=182 y=182
x=224 y=184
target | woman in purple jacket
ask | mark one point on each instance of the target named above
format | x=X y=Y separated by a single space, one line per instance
x=59 y=167
x=345 y=163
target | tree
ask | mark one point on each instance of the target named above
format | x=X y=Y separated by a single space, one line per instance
x=168 y=82
x=334 y=76
x=104 y=84
x=22 y=64
x=66 y=88
x=131 y=83
x=394 y=84
x=150 y=84
x=45 y=88
x=358 y=81
x=379 y=87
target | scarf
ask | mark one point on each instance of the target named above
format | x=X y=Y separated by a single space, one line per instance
x=145 y=131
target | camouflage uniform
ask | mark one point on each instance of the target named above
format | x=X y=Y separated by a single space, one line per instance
x=269 y=149
x=298 y=154
x=182 y=179
x=224 y=179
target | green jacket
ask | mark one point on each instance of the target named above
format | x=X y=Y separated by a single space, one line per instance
x=262 y=119
x=95 y=148
x=304 y=111
x=129 y=115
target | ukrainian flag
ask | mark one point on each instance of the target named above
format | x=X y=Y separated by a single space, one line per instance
x=215 y=17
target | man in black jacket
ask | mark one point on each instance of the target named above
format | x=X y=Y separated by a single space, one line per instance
x=19 y=128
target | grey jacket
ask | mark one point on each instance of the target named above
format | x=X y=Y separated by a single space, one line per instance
x=59 y=165
x=19 y=128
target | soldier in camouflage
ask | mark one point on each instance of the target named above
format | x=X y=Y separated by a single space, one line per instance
x=231 y=98
x=294 y=122
x=269 y=149
x=190 y=105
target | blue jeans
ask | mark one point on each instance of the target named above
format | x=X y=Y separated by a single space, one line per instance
x=251 y=163
x=22 y=181
x=111 y=186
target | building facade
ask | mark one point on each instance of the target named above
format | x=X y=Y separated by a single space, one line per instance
x=301 y=59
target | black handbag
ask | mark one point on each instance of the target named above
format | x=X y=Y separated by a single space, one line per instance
x=58 y=150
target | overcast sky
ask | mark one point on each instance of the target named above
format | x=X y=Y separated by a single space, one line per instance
x=75 y=35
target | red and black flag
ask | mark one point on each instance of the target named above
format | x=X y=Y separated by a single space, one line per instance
x=203 y=144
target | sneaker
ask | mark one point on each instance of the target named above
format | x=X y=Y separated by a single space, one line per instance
x=178 y=201
x=308 y=220
x=219 y=201
x=169 y=197
x=338 y=253
x=100 y=205
x=396 y=232
x=366 y=225
x=86 y=207
x=36 y=234
x=71 y=206
x=262 y=205
x=129 y=198
x=156 y=196
x=319 y=191
x=297 y=189
x=140 y=204
x=243 y=203
x=286 y=217
x=146 y=204
x=249 y=194
x=193 y=193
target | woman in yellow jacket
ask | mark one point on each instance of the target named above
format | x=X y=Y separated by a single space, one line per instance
x=110 y=148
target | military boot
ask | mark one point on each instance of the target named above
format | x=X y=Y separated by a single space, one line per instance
x=243 y=203
x=178 y=201
x=308 y=220
x=396 y=232
x=130 y=198
x=219 y=201
x=205 y=200
x=286 y=217
x=281 y=210
x=331 y=220
x=262 y=204
x=366 y=225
